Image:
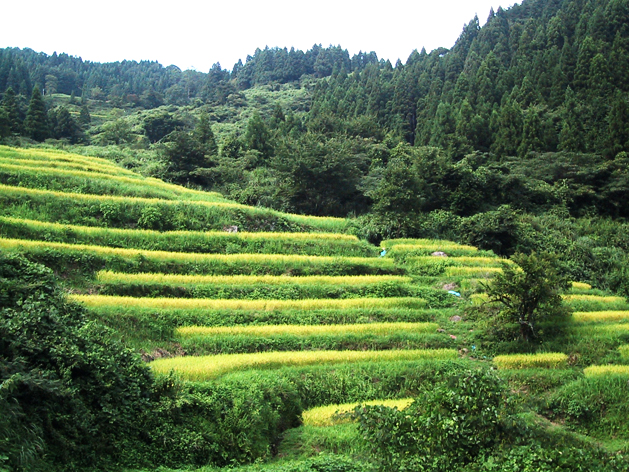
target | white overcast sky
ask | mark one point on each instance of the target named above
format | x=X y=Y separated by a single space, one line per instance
x=196 y=34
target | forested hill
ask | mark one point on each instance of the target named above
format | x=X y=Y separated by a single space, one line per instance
x=545 y=75
x=540 y=76
x=149 y=84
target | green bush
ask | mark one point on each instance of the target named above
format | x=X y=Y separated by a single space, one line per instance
x=73 y=395
x=447 y=426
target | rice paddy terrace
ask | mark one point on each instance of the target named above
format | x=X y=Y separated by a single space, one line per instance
x=221 y=292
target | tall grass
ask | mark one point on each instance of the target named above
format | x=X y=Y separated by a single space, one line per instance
x=624 y=351
x=257 y=305
x=328 y=415
x=210 y=367
x=189 y=241
x=84 y=260
x=547 y=360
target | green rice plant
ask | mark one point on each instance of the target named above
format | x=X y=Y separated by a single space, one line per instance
x=612 y=329
x=256 y=305
x=107 y=210
x=304 y=330
x=87 y=259
x=147 y=329
x=479 y=298
x=328 y=415
x=595 y=302
x=547 y=360
x=600 y=316
x=361 y=337
x=581 y=286
x=403 y=252
x=624 y=351
x=261 y=286
x=441 y=243
x=203 y=368
x=463 y=261
x=475 y=272
x=330 y=244
x=606 y=371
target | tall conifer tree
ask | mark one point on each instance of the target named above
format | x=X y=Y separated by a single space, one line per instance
x=36 y=122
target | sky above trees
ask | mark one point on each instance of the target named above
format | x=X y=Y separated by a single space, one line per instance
x=196 y=34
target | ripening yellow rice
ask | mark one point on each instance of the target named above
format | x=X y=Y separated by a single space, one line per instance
x=593 y=298
x=167 y=279
x=253 y=305
x=462 y=261
x=581 y=286
x=181 y=257
x=472 y=271
x=57 y=164
x=8 y=189
x=547 y=360
x=87 y=197
x=389 y=243
x=326 y=415
x=135 y=179
x=624 y=351
x=209 y=367
x=606 y=370
x=57 y=156
x=445 y=247
x=379 y=329
x=585 y=316
x=147 y=233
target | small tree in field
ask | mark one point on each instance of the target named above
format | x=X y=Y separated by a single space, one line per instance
x=528 y=292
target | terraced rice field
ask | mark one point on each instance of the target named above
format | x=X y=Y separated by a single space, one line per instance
x=159 y=263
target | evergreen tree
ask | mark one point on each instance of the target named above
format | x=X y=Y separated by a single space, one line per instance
x=36 y=122
x=63 y=125
x=571 y=137
x=258 y=136
x=618 y=126
x=204 y=134
x=5 y=126
x=12 y=110
x=84 y=117
x=532 y=132
x=508 y=129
